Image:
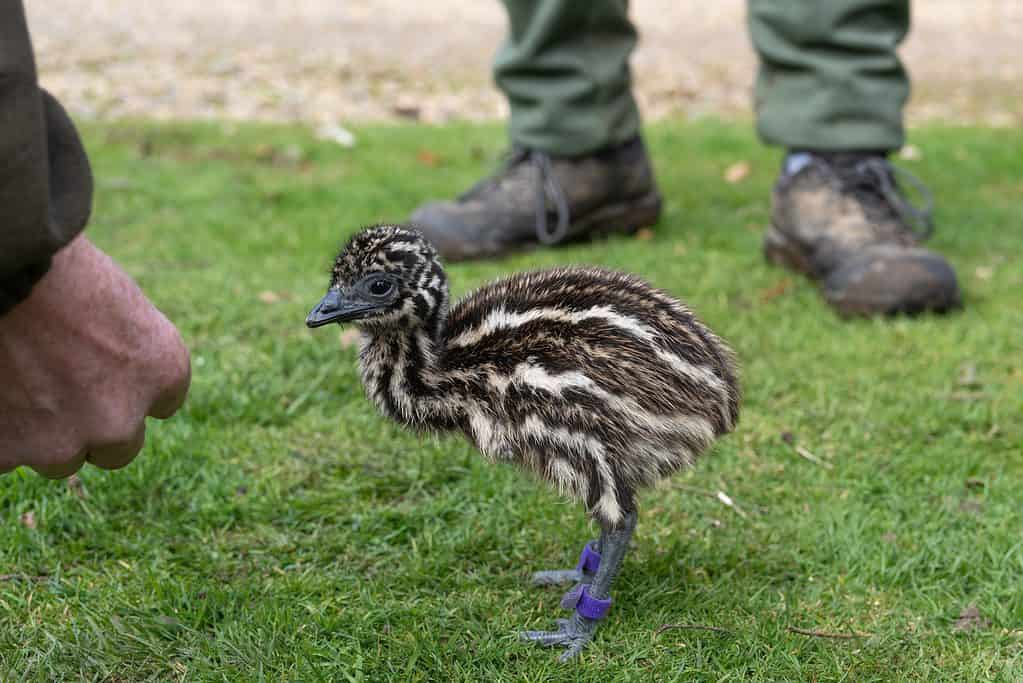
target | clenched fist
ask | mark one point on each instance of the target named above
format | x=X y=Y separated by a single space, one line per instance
x=83 y=361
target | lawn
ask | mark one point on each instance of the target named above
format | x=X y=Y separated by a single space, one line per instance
x=277 y=529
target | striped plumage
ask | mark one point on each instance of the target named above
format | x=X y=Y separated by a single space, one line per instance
x=591 y=379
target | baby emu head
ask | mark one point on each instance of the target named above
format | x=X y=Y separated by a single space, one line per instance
x=387 y=276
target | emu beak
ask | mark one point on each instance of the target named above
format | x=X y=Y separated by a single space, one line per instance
x=334 y=307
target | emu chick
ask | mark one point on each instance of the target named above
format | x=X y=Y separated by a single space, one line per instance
x=593 y=380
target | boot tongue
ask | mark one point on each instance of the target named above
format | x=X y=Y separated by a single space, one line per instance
x=796 y=161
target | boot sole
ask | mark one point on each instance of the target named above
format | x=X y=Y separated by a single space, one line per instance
x=782 y=251
x=625 y=218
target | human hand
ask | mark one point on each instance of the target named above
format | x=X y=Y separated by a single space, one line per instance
x=83 y=361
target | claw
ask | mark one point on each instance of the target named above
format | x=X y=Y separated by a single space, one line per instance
x=573 y=651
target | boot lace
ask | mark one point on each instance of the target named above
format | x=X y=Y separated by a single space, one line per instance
x=548 y=192
x=878 y=183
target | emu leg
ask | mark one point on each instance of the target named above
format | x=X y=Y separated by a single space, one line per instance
x=575 y=632
x=579 y=575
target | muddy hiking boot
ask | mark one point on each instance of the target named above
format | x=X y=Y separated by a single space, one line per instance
x=537 y=199
x=843 y=220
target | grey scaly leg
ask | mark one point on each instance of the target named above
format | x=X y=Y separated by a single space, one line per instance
x=594 y=600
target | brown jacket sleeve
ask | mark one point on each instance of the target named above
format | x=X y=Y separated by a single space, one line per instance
x=45 y=182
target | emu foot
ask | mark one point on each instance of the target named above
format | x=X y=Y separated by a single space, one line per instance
x=591 y=601
x=573 y=634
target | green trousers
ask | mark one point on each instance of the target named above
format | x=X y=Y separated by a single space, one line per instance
x=829 y=77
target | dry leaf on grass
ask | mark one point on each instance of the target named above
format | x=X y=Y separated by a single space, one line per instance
x=29 y=519
x=776 y=290
x=74 y=485
x=644 y=234
x=738 y=172
x=971 y=507
x=968 y=376
x=970 y=619
x=268 y=297
x=427 y=158
x=806 y=454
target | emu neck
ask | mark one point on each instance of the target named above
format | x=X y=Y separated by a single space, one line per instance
x=399 y=372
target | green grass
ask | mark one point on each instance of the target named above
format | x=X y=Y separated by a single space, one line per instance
x=279 y=530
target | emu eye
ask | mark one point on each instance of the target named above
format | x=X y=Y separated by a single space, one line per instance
x=380 y=287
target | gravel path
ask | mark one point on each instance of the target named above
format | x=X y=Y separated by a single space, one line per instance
x=355 y=60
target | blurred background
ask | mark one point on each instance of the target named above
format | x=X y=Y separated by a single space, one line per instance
x=323 y=61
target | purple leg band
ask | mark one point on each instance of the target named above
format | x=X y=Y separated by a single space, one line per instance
x=589 y=560
x=591 y=607
x=577 y=598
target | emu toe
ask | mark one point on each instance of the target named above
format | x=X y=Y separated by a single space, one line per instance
x=556 y=577
x=573 y=634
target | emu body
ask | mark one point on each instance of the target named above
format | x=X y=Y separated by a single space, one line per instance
x=591 y=379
